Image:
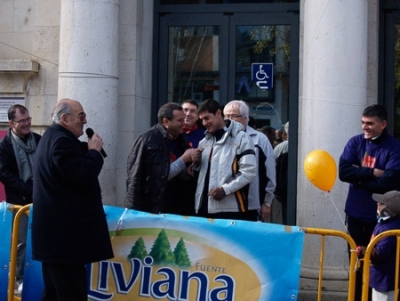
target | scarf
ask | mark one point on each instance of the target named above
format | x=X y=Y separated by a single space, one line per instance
x=24 y=153
x=187 y=130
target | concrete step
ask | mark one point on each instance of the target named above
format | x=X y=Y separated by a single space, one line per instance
x=325 y=296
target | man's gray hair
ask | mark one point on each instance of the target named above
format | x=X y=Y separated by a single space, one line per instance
x=241 y=105
x=62 y=107
x=286 y=127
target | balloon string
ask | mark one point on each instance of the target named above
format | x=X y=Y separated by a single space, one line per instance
x=334 y=205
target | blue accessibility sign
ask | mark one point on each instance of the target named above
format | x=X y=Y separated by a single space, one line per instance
x=262 y=75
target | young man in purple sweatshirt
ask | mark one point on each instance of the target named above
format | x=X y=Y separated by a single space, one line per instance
x=370 y=163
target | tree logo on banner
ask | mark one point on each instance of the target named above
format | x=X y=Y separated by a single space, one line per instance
x=161 y=251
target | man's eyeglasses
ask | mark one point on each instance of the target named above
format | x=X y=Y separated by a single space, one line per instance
x=230 y=116
x=81 y=116
x=23 y=121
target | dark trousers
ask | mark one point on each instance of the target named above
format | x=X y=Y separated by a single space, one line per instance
x=223 y=215
x=361 y=233
x=64 y=282
x=250 y=215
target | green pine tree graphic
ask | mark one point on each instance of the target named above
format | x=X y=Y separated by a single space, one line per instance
x=161 y=250
x=138 y=250
x=181 y=256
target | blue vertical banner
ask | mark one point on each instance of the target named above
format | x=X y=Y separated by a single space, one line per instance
x=262 y=74
x=5 y=245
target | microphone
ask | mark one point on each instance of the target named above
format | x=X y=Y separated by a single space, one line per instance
x=89 y=133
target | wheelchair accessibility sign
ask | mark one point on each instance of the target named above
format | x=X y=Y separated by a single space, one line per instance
x=262 y=75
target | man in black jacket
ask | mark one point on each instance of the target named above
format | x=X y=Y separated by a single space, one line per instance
x=17 y=152
x=69 y=226
x=150 y=169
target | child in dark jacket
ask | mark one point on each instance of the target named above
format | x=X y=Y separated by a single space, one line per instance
x=383 y=256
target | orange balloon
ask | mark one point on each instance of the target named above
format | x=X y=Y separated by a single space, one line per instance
x=320 y=169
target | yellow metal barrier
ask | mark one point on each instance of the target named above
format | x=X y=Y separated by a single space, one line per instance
x=14 y=244
x=353 y=257
x=367 y=262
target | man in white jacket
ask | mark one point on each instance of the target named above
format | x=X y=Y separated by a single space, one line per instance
x=261 y=191
x=226 y=168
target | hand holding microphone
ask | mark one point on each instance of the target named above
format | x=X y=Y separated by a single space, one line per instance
x=95 y=141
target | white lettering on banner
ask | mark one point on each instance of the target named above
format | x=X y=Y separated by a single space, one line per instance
x=170 y=287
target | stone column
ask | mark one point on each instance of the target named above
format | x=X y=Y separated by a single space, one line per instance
x=88 y=72
x=333 y=94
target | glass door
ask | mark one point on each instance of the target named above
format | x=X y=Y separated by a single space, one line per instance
x=268 y=38
x=192 y=67
x=265 y=38
x=193 y=63
x=391 y=78
x=259 y=44
x=210 y=55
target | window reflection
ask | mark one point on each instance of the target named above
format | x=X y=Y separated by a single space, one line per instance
x=264 y=44
x=193 y=64
x=397 y=81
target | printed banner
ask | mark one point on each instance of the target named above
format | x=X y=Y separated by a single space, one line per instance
x=169 y=257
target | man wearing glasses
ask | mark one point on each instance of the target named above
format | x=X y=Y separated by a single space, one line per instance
x=17 y=152
x=261 y=190
x=69 y=226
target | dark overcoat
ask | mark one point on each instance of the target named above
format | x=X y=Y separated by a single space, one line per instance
x=69 y=224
